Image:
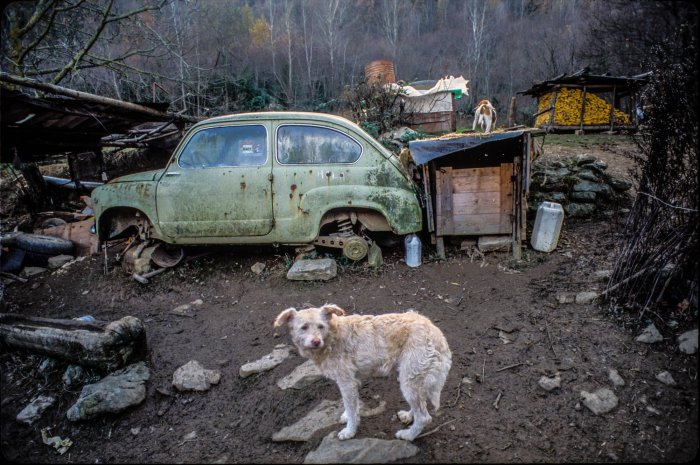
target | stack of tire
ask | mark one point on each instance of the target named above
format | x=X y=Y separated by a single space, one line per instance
x=24 y=249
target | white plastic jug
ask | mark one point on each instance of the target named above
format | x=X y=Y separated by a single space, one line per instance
x=413 y=250
x=545 y=232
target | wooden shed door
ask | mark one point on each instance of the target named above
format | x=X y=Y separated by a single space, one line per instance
x=474 y=201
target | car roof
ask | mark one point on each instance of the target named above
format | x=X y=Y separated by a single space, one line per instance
x=277 y=115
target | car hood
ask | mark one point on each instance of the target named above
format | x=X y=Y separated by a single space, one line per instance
x=138 y=177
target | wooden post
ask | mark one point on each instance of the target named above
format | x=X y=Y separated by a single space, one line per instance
x=100 y=345
x=517 y=211
x=511 y=112
x=551 y=112
x=583 y=109
x=612 y=109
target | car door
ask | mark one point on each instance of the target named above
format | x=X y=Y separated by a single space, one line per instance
x=219 y=185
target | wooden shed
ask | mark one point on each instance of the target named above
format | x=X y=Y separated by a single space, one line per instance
x=477 y=184
x=586 y=102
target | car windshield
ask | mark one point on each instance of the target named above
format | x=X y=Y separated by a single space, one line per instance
x=226 y=146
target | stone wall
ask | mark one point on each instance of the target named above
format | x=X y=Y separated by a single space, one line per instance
x=580 y=184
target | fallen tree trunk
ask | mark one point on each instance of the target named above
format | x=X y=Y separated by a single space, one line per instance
x=101 y=345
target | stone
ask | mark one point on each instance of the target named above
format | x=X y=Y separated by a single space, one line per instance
x=36 y=407
x=72 y=375
x=29 y=271
x=557 y=197
x=585 y=197
x=589 y=186
x=113 y=393
x=615 y=378
x=650 y=335
x=618 y=184
x=601 y=401
x=565 y=298
x=312 y=270
x=549 y=383
x=586 y=297
x=584 y=159
x=580 y=210
x=278 y=355
x=192 y=376
x=58 y=261
x=374 y=256
x=257 y=268
x=603 y=274
x=588 y=175
x=688 y=342
x=327 y=413
x=365 y=450
x=666 y=378
x=304 y=375
x=493 y=243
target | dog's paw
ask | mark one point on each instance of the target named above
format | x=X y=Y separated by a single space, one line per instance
x=346 y=433
x=344 y=417
x=405 y=416
x=405 y=434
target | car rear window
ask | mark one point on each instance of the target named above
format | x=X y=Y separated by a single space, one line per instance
x=226 y=146
x=302 y=144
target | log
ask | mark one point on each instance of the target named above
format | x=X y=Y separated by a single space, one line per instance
x=98 y=344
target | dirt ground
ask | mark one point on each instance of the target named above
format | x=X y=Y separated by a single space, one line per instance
x=497 y=414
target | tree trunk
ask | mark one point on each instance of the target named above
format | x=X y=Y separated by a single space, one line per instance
x=97 y=344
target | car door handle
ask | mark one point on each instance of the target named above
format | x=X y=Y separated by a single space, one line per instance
x=173 y=173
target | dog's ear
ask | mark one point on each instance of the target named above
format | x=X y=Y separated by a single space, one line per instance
x=285 y=317
x=332 y=309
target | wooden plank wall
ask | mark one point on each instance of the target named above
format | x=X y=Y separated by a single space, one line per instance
x=474 y=201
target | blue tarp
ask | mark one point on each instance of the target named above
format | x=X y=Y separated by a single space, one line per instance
x=425 y=150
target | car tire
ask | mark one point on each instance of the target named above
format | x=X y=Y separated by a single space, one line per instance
x=11 y=262
x=49 y=245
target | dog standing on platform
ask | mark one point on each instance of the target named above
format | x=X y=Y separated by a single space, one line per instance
x=484 y=116
x=347 y=347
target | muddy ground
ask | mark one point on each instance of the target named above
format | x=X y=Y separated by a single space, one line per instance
x=500 y=414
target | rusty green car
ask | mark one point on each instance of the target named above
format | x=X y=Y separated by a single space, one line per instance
x=287 y=178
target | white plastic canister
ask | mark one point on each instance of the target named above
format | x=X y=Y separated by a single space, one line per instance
x=545 y=233
x=413 y=250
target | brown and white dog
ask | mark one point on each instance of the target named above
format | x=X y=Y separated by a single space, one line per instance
x=484 y=116
x=346 y=347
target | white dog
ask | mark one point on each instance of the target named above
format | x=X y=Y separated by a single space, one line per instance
x=484 y=116
x=343 y=347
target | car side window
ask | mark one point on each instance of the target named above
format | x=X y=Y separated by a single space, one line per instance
x=226 y=146
x=302 y=144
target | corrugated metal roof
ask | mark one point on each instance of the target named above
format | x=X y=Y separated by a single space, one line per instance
x=583 y=77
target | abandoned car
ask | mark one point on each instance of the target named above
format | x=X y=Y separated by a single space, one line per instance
x=287 y=178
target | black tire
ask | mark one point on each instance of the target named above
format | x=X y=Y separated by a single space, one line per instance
x=49 y=245
x=12 y=261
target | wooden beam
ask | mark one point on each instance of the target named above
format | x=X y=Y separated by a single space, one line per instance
x=54 y=89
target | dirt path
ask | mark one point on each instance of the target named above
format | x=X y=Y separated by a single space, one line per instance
x=478 y=305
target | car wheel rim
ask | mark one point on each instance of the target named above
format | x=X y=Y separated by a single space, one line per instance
x=355 y=248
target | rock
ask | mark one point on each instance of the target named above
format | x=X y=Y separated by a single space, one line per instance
x=585 y=197
x=36 y=407
x=29 y=271
x=493 y=243
x=565 y=298
x=580 y=210
x=615 y=378
x=584 y=159
x=587 y=175
x=650 y=335
x=603 y=274
x=302 y=376
x=113 y=393
x=666 y=378
x=311 y=270
x=601 y=401
x=586 y=297
x=589 y=186
x=556 y=197
x=186 y=309
x=327 y=413
x=278 y=355
x=365 y=450
x=374 y=256
x=548 y=383
x=618 y=184
x=688 y=342
x=72 y=375
x=192 y=376
x=59 y=260
x=257 y=268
